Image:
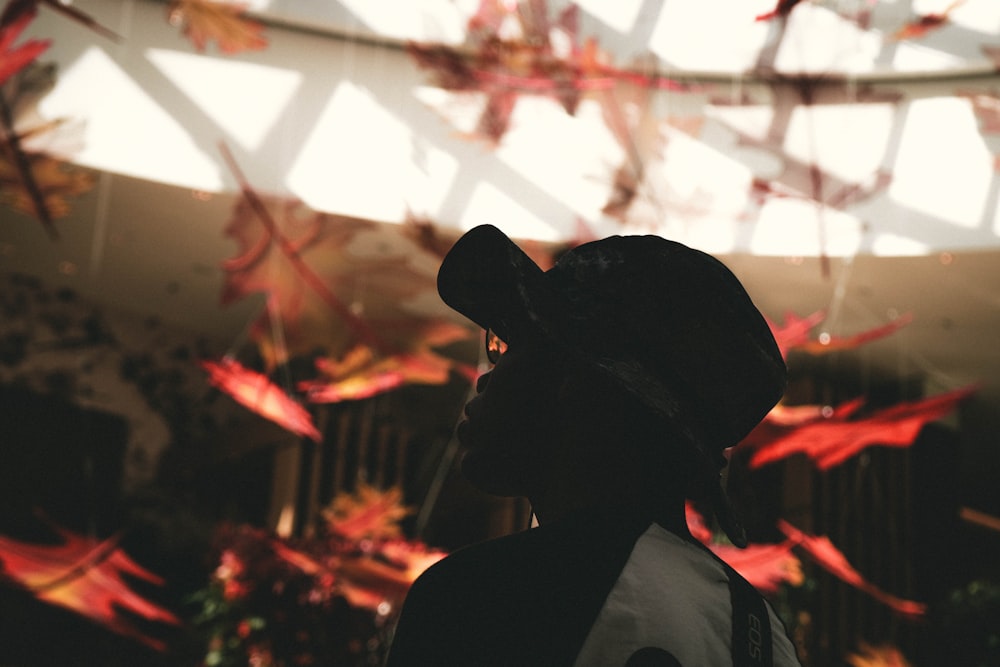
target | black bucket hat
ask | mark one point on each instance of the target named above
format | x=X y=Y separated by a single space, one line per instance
x=669 y=324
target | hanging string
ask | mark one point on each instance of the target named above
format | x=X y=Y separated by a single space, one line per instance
x=103 y=204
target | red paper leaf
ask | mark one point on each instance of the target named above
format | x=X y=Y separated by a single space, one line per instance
x=323 y=294
x=257 y=393
x=825 y=554
x=364 y=558
x=925 y=24
x=795 y=331
x=505 y=65
x=33 y=183
x=326 y=297
x=362 y=375
x=782 y=9
x=85 y=577
x=225 y=23
x=765 y=566
x=831 y=440
x=12 y=24
x=795 y=334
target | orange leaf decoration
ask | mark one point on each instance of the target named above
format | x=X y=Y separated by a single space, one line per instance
x=377 y=565
x=254 y=391
x=85 y=577
x=361 y=373
x=822 y=550
x=324 y=293
x=832 y=437
x=368 y=582
x=412 y=557
x=54 y=181
x=341 y=286
x=205 y=21
x=367 y=513
x=878 y=656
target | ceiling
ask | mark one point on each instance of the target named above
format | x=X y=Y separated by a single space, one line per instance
x=150 y=237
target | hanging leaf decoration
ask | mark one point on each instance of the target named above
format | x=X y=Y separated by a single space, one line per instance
x=17 y=10
x=12 y=24
x=54 y=181
x=830 y=437
x=795 y=331
x=511 y=50
x=429 y=237
x=327 y=296
x=257 y=393
x=765 y=566
x=795 y=334
x=922 y=25
x=878 y=656
x=627 y=113
x=825 y=554
x=781 y=10
x=369 y=512
x=363 y=374
x=225 y=23
x=18 y=183
x=363 y=556
x=87 y=578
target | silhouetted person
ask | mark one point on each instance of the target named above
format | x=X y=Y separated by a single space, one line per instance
x=621 y=375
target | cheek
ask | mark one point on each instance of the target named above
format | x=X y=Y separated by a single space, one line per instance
x=508 y=449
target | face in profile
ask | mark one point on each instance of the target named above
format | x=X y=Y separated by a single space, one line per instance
x=510 y=427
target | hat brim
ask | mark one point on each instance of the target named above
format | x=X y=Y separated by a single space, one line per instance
x=491 y=281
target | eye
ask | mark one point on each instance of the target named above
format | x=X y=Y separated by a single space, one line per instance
x=495 y=347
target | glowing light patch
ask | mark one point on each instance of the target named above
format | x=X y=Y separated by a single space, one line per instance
x=946 y=175
x=125 y=128
x=356 y=161
x=244 y=99
x=516 y=217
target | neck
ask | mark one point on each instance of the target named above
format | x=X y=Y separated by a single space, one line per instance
x=669 y=512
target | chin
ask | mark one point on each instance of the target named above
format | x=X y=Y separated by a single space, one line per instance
x=492 y=476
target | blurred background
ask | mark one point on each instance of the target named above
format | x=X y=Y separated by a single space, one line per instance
x=228 y=387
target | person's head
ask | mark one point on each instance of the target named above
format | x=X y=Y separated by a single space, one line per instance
x=630 y=335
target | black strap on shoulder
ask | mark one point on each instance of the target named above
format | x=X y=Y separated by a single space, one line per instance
x=751 y=624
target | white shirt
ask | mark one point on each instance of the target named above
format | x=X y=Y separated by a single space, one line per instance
x=674 y=596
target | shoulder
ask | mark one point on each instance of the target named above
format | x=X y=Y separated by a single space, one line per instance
x=480 y=565
x=525 y=599
x=547 y=553
x=473 y=603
